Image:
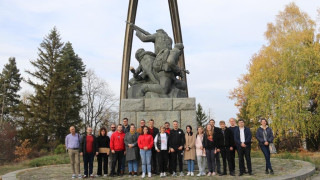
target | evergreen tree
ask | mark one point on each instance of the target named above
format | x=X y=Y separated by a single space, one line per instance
x=9 y=86
x=69 y=73
x=202 y=118
x=40 y=113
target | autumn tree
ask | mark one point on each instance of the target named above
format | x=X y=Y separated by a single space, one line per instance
x=283 y=83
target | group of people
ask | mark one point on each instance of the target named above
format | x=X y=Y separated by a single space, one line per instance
x=160 y=150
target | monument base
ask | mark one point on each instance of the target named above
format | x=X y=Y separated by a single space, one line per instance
x=160 y=110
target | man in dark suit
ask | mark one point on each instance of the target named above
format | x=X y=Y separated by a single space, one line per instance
x=242 y=138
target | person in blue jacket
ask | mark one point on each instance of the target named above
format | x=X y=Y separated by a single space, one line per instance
x=264 y=136
x=242 y=138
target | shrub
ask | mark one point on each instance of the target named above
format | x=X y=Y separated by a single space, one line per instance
x=8 y=142
x=60 y=149
x=49 y=160
x=22 y=152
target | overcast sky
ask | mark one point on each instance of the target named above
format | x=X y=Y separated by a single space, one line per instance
x=219 y=37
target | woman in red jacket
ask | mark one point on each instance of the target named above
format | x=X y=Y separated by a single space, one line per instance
x=145 y=143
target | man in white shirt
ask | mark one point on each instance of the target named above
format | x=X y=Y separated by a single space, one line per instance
x=242 y=138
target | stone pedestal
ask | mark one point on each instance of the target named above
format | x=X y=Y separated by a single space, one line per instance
x=160 y=110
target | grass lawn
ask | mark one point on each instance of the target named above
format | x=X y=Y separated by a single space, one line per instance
x=41 y=161
x=313 y=157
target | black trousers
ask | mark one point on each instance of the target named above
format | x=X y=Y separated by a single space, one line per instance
x=88 y=160
x=163 y=160
x=174 y=156
x=232 y=159
x=226 y=157
x=217 y=159
x=154 y=161
x=244 y=152
x=116 y=157
x=169 y=163
x=102 y=157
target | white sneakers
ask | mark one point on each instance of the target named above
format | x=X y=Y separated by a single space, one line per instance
x=209 y=174
x=73 y=176
x=213 y=174
x=79 y=176
x=190 y=174
x=144 y=175
x=174 y=174
x=181 y=173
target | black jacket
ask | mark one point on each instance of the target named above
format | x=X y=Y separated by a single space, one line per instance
x=103 y=141
x=259 y=135
x=247 y=136
x=83 y=144
x=155 y=132
x=216 y=140
x=125 y=130
x=227 y=139
x=158 y=144
x=176 y=139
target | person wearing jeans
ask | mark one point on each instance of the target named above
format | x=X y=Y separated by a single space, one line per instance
x=145 y=143
x=161 y=146
x=72 y=142
x=88 y=148
x=190 y=149
x=265 y=136
x=210 y=142
x=200 y=152
x=132 y=150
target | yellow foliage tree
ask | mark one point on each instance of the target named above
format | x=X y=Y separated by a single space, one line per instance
x=282 y=83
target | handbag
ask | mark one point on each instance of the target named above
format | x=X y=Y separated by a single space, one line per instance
x=104 y=150
x=272 y=148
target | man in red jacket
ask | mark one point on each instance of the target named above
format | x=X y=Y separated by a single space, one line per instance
x=117 y=149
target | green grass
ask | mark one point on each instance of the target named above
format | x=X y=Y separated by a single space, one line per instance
x=41 y=161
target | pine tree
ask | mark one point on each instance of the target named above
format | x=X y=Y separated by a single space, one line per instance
x=69 y=73
x=9 y=86
x=202 y=118
x=40 y=112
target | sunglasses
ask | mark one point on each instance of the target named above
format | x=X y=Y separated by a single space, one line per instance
x=113 y=127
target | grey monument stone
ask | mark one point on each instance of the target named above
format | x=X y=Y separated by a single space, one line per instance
x=160 y=110
x=132 y=105
x=132 y=117
x=188 y=117
x=159 y=117
x=184 y=103
x=158 y=104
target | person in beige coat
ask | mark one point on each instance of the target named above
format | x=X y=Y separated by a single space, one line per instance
x=190 y=149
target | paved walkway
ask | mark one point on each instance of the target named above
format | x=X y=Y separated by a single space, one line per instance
x=284 y=169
